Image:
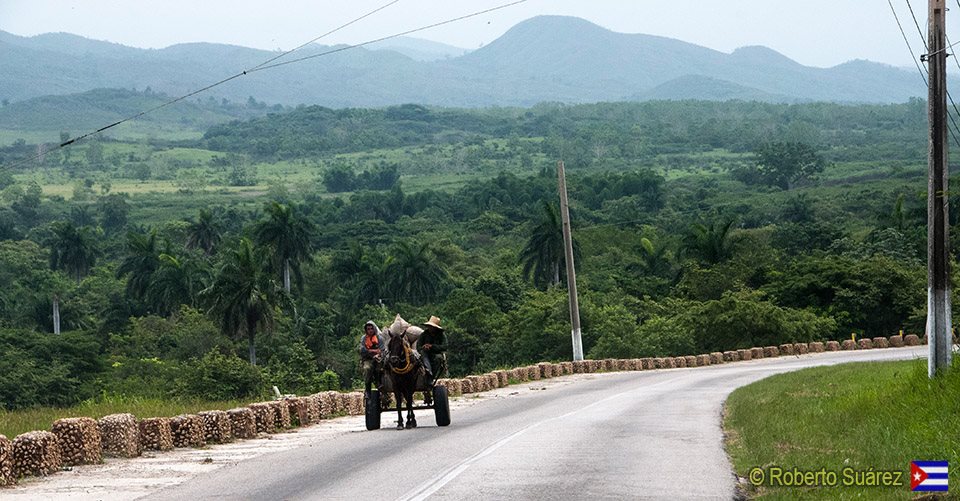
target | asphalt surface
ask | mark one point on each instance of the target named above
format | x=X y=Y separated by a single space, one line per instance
x=629 y=435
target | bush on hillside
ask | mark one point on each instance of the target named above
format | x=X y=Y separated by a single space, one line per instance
x=219 y=377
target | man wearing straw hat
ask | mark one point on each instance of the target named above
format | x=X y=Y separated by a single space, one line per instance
x=432 y=344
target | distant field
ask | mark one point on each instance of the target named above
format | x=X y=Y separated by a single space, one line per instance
x=126 y=132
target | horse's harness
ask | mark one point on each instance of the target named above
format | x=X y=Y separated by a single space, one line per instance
x=409 y=364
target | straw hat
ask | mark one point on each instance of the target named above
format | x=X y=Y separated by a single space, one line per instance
x=434 y=322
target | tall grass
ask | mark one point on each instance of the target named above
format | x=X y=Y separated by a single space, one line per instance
x=864 y=416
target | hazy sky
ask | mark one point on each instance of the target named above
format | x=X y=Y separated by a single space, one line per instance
x=813 y=32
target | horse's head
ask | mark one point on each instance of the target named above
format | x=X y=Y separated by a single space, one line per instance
x=396 y=350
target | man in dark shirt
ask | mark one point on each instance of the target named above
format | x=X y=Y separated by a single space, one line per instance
x=432 y=344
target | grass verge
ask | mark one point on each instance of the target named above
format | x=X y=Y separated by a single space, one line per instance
x=864 y=416
x=13 y=423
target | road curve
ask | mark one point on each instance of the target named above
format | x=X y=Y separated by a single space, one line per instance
x=628 y=435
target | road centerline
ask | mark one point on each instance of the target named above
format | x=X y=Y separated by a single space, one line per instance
x=428 y=488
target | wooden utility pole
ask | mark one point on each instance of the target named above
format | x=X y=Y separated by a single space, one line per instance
x=571 y=271
x=939 y=332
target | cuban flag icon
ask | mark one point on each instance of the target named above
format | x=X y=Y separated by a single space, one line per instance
x=928 y=476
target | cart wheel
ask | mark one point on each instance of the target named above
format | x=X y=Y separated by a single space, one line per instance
x=372 y=410
x=441 y=405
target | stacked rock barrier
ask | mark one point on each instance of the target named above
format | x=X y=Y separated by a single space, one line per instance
x=313 y=407
x=478 y=383
x=217 y=427
x=187 y=430
x=281 y=414
x=119 y=435
x=297 y=409
x=79 y=440
x=263 y=417
x=155 y=434
x=354 y=402
x=36 y=453
x=6 y=462
x=243 y=423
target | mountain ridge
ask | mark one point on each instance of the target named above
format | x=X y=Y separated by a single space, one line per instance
x=545 y=58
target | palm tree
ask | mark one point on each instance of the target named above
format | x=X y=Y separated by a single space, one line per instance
x=655 y=258
x=72 y=249
x=288 y=234
x=413 y=272
x=362 y=271
x=543 y=256
x=176 y=281
x=57 y=286
x=142 y=260
x=205 y=233
x=711 y=243
x=242 y=295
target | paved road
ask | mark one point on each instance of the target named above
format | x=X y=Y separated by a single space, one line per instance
x=651 y=434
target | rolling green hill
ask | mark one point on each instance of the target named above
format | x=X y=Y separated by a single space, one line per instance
x=44 y=117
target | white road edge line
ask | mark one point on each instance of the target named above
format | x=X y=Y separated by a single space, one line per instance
x=426 y=489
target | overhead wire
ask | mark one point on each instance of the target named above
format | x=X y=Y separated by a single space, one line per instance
x=338 y=28
x=160 y=106
x=955 y=130
x=263 y=66
x=395 y=35
x=906 y=40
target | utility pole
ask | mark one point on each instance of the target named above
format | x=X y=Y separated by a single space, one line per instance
x=939 y=332
x=571 y=271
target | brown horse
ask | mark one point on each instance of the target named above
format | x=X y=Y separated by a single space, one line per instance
x=403 y=369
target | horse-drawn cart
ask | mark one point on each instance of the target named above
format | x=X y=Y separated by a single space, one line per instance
x=375 y=404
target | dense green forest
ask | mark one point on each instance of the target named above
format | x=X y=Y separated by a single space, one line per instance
x=173 y=264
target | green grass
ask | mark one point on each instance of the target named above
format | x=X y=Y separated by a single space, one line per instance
x=13 y=423
x=877 y=416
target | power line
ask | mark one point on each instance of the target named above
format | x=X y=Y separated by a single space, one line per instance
x=953 y=131
x=265 y=66
x=917 y=24
x=338 y=28
x=907 y=41
x=64 y=144
x=395 y=35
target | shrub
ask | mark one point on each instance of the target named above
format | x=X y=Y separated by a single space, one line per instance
x=141 y=377
x=219 y=377
x=25 y=383
x=293 y=369
x=45 y=369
